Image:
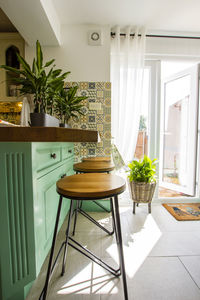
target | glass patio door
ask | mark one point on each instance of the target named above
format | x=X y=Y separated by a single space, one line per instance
x=179 y=131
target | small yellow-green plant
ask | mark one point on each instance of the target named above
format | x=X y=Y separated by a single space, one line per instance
x=143 y=170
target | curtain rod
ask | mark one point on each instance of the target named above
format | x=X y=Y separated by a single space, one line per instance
x=161 y=36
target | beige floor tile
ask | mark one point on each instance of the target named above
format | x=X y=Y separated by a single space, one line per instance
x=163 y=278
x=192 y=264
x=176 y=244
x=162 y=258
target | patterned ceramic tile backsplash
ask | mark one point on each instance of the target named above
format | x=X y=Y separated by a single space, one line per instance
x=97 y=116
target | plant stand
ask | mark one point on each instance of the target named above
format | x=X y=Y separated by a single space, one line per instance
x=135 y=203
x=141 y=192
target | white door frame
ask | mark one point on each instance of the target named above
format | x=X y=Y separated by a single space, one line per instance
x=155 y=109
x=154 y=114
x=189 y=189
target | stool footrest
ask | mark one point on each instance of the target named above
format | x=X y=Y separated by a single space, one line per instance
x=94 y=221
x=100 y=205
x=94 y=257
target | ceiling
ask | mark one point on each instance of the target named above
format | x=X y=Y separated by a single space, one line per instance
x=5 y=23
x=42 y=19
x=158 y=15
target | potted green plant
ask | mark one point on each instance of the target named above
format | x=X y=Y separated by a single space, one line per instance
x=39 y=80
x=142 y=180
x=68 y=105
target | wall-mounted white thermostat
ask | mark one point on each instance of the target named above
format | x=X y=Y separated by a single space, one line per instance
x=95 y=37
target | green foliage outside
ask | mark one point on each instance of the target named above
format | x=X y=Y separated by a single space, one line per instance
x=142 y=125
x=143 y=170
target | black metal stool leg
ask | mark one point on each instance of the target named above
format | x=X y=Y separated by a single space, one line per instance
x=67 y=237
x=75 y=216
x=149 y=207
x=114 y=224
x=81 y=203
x=121 y=255
x=49 y=270
x=113 y=217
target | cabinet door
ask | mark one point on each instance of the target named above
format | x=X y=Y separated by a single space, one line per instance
x=45 y=208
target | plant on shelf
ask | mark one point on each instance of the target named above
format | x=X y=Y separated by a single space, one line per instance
x=68 y=104
x=39 y=80
x=142 y=180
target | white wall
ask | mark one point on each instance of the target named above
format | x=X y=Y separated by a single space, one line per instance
x=92 y=63
x=86 y=63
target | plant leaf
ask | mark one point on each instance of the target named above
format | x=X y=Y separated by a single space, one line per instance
x=39 y=55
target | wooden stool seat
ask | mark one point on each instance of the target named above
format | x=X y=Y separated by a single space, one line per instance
x=90 y=186
x=94 y=167
x=97 y=158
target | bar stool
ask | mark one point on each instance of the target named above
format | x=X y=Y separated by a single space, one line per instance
x=90 y=187
x=93 y=165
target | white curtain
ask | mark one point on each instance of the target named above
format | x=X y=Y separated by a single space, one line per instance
x=127 y=68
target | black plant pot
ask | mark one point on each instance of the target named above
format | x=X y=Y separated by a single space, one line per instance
x=43 y=120
x=64 y=125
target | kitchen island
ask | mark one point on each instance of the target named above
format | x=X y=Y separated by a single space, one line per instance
x=31 y=161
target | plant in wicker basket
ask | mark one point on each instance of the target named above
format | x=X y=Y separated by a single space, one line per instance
x=142 y=180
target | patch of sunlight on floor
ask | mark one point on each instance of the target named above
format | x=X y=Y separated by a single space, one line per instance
x=137 y=251
x=90 y=280
x=104 y=221
x=77 y=284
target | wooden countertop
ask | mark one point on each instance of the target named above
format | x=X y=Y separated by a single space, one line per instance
x=46 y=134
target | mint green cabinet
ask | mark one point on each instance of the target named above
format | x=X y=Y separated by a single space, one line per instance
x=28 y=202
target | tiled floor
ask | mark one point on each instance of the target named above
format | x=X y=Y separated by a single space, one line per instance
x=162 y=258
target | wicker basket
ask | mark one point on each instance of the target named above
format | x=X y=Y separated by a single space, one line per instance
x=141 y=192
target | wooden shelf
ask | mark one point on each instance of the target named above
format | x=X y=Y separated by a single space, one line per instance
x=46 y=134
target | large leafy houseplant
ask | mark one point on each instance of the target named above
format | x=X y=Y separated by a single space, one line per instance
x=68 y=104
x=143 y=170
x=39 y=80
x=142 y=180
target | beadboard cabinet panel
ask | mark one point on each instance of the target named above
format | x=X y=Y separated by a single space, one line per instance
x=28 y=202
x=16 y=221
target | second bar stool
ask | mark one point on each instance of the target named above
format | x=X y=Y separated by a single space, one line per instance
x=97 y=158
x=93 y=165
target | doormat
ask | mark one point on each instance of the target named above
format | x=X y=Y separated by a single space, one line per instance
x=184 y=211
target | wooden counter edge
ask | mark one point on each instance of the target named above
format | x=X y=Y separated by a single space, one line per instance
x=47 y=134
